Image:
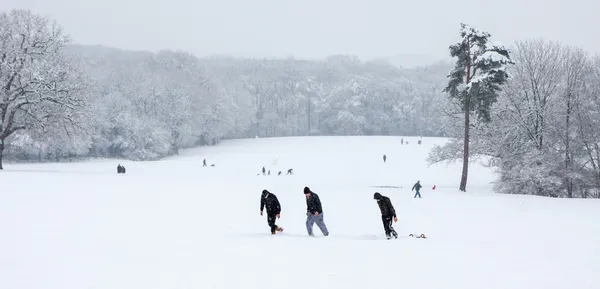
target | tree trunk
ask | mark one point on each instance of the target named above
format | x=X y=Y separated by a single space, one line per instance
x=465 y=170
x=1 y=153
x=568 y=181
x=467 y=107
x=308 y=115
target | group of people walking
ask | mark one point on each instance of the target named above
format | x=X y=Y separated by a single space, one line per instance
x=314 y=211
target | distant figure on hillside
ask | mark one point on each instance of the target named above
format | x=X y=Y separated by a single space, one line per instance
x=263 y=170
x=417 y=187
x=401 y=141
x=279 y=173
x=387 y=214
x=120 y=169
x=273 y=210
x=384 y=158
x=419 y=142
x=204 y=163
x=289 y=172
x=269 y=172
x=314 y=213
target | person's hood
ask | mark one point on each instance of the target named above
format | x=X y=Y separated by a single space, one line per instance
x=377 y=196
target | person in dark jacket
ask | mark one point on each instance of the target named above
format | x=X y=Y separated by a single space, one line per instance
x=387 y=214
x=384 y=158
x=314 y=213
x=271 y=202
x=416 y=188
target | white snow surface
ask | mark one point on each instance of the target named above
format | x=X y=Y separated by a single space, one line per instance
x=175 y=224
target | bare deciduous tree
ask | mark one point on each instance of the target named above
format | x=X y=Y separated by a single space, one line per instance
x=36 y=81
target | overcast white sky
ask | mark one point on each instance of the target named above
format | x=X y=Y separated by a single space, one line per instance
x=316 y=28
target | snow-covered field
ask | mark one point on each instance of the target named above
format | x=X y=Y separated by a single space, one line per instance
x=174 y=224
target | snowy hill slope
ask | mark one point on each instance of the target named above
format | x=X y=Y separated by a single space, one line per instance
x=175 y=224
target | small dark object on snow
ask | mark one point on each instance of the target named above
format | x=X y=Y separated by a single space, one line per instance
x=204 y=163
x=290 y=172
x=419 y=142
x=422 y=236
x=212 y=165
x=264 y=170
x=387 y=187
x=279 y=174
x=120 y=169
x=384 y=158
x=269 y=172
x=401 y=141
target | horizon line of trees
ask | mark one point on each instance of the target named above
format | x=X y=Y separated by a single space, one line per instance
x=144 y=106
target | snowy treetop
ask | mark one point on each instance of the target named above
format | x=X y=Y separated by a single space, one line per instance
x=468 y=31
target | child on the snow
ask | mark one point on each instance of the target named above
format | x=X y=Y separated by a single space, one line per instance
x=273 y=210
x=416 y=188
x=314 y=213
x=387 y=214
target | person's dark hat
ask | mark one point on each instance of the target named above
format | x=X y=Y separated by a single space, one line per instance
x=306 y=190
x=264 y=193
x=377 y=196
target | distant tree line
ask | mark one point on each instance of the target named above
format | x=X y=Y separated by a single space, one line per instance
x=103 y=102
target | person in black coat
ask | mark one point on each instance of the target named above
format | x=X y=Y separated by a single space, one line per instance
x=271 y=202
x=314 y=213
x=387 y=214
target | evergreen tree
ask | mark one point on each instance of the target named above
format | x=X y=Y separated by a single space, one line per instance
x=476 y=79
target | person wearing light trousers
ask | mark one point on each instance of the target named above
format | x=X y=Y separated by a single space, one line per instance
x=314 y=213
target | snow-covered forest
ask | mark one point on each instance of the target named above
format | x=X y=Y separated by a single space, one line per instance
x=143 y=106
x=544 y=132
x=61 y=101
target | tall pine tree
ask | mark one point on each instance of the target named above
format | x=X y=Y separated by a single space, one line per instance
x=476 y=80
